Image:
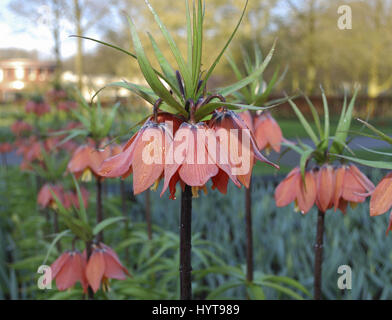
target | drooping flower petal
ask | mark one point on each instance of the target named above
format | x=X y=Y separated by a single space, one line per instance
x=220 y=181
x=69 y=269
x=389 y=224
x=286 y=191
x=325 y=187
x=353 y=186
x=191 y=158
x=381 y=198
x=59 y=263
x=267 y=132
x=339 y=183
x=148 y=160
x=307 y=192
x=113 y=269
x=246 y=116
x=95 y=269
x=240 y=156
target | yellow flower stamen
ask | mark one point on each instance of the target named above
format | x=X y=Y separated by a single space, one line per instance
x=353 y=205
x=155 y=185
x=267 y=150
x=86 y=175
x=195 y=192
x=296 y=208
x=53 y=205
x=105 y=284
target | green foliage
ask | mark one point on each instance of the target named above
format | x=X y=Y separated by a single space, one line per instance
x=95 y=122
x=254 y=92
x=323 y=151
x=283 y=245
x=378 y=134
x=189 y=83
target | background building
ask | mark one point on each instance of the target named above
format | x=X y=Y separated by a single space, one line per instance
x=19 y=74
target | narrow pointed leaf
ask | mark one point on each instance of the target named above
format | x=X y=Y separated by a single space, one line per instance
x=369 y=163
x=304 y=123
x=315 y=116
x=149 y=74
x=211 y=69
x=105 y=223
x=249 y=79
x=381 y=134
x=326 y=114
x=173 y=47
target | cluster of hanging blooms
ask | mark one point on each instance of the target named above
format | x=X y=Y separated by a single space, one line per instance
x=56 y=94
x=60 y=99
x=87 y=159
x=32 y=148
x=327 y=187
x=68 y=269
x=31 y=151
x=37 y=106
x=5 y=147
x=103 y=264
x=266 y=130
x=54 y=143
x=67 y=105
x=20 y=127
x=187 y=152
x=67 y=198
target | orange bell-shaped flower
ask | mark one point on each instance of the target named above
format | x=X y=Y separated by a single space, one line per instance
x=68 y=269
x=381 y=198
x=86 y=160
x=294 y=188
x=192 y=158
x=5 y=147
x=238 y=143
x=144 y=153
x=351 y=187
x=20 y=127
x=286 y=191
x=104 y=264
x=45 y=197
x=267 y=132
x=325 y=187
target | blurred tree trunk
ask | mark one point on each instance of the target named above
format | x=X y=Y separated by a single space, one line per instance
x=310 y=61
x=57 y=41
x=48 y=13
x=375 y=86
x=79 y=53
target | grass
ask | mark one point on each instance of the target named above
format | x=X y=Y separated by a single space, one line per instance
x=283 y=243
x=292 y=128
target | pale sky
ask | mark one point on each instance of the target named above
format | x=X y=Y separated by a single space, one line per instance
x=18 y=32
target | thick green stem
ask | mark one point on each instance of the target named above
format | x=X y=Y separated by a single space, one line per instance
x=99 y=208
x=124 y=211
x=56 y=229
x=185 y=244
x=148 y=213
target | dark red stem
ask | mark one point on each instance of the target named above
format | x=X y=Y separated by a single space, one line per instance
x=99 y=208
x=318 y=255
x=90 y=292
x=249 y=233
x=185 y=244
